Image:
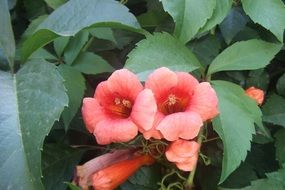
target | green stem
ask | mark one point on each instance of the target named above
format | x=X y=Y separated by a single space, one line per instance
x=84 y=49
x=189 y=182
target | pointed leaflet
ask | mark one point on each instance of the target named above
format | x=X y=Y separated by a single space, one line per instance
x=189 y=16
x=234 y=106
x=58 y=165
x=76 y=15
x=90 y=63
x=275 y=181
x=221 y=10
x=7 y=42
x=274 y=110
x=245 y=55
x=160 y=50
x=269 y=14
x=30 y=102
x=280 y=146
x=74 y=83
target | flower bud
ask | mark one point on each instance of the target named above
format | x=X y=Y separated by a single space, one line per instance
x=256 y=94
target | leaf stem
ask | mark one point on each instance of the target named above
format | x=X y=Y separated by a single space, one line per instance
x=84 y=49
x=189 y=182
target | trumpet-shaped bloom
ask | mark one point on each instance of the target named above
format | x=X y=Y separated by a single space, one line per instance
x=111 y=177
x=183 y=153
x=84 y=172
x=119 y=108
x=183 y=102
x=256 y=94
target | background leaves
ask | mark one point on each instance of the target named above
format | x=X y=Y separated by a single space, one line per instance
x=160 y=50
x=23 y=98
x=189 y=16
x=234 y=105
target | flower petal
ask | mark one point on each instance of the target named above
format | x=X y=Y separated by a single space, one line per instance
x=115 y=130
x=92 y=113
x=204 y=101
x=102 y=93
x=181 y=150
x=189 y=165
x=144 y=109
x=185 y=125
x=161 y=81
x=125 y=84
x=186 y=82
x=153 y=132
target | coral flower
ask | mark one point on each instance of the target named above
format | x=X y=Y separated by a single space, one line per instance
x=111 y=177
x=84 y=172
x=256 y=94
x=182 y=103
x=183 y=153
x=119 y=108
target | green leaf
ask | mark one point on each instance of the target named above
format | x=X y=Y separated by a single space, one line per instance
x=90 y=63
x=43 y=54
x=55 y=3
x=221 y=10
x=151 y=18
x=60 y=44
x=206 y=49
x=258 y=78
x=160 y=50
x=146 y=178
x=232 y=24
x=74 y=82
x=189 y=16
x=58 y=165
x=274 y=181
x=33 y=26
x=245 y=55
x=274 y=110
x=280 y=146
x=269 y=14
x=30 y=102
x=7 y=42
x=280 y=86
x=65 y=21
x=74 y=46
x=72 y=186
x=234 y=105
x=104 y=33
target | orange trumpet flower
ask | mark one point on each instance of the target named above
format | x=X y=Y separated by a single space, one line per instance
x=111 y=177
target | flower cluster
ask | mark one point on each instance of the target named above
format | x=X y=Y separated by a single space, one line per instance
x=171 y=106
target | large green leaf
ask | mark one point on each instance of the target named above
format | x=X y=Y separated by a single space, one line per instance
x=160 y=50
x=206 y=49
x=269 y=14
x=274 y=110
x=55 y=3
x=30 y=102
x=234 y=106
x=58 y=165
x=280 y=86
x=7 y=42
x=74 y=82
x=274 y=181
x=90 y=63
x=232 y=24
x=146 y=178
x=73 y=48
x=245 y=55
x=189 y=16
x=221 y=10
x=65 y=21
x=280 y=146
